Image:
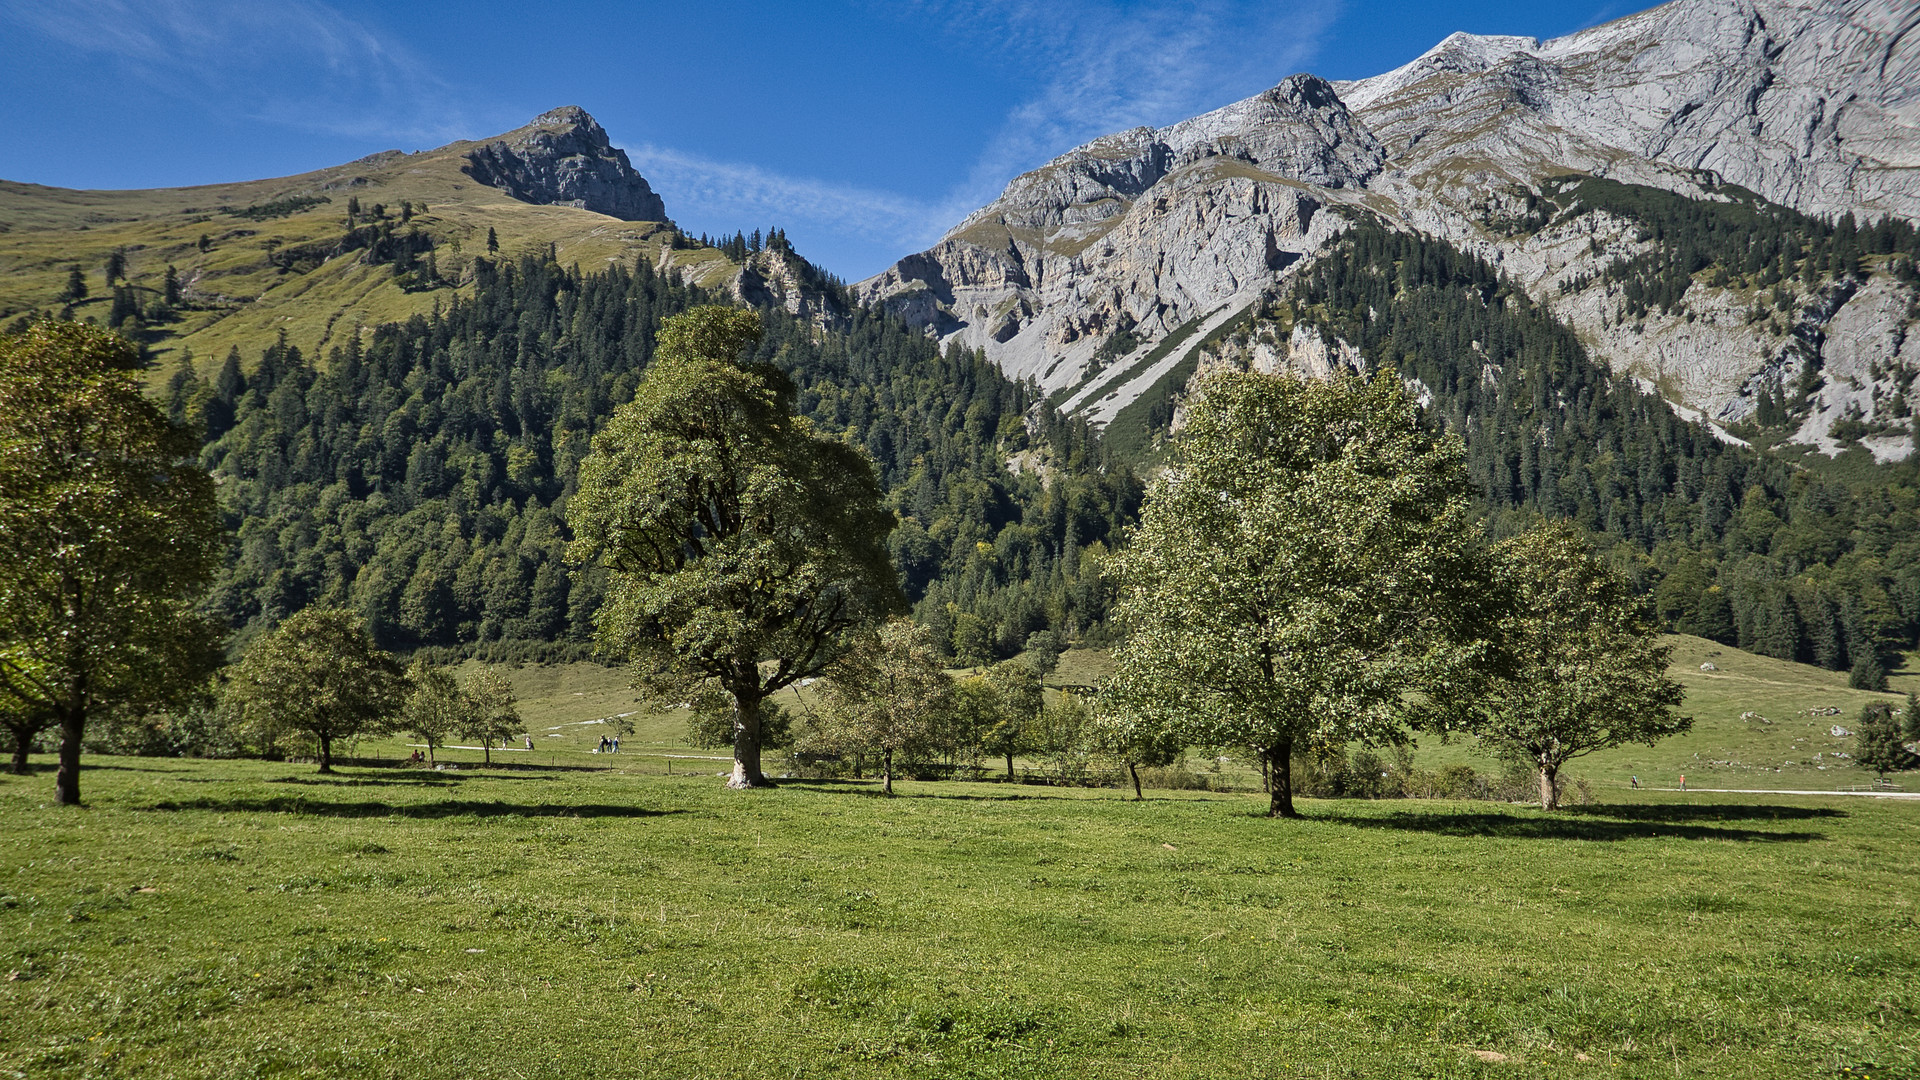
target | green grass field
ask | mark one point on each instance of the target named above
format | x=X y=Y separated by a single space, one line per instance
x=245 y=919
x=1758 y=723
x=563 y=913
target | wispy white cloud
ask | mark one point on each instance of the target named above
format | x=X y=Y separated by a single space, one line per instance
x=1085 y=68
x=1113 y=64
x=749 y=195
x=1097 y=66
x=1604 y=14
x=295 y=63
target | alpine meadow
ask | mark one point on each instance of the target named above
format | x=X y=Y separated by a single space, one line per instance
x=1414 y=575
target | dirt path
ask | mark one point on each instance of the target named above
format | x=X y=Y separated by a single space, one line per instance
x=1783 y=791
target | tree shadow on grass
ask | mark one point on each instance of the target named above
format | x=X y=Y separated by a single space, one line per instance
x=1681 y=812
x=1543 y=826
x=447 y=808
x=871 y=789
x=425 y=779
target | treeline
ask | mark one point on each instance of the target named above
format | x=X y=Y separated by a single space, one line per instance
x=1745 y=241
x=420 y=476
x=1732 y=544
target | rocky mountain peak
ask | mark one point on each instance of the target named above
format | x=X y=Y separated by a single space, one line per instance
x=564 y=158
x=1300 y=129
x=1459 y=53
x=1811 y=103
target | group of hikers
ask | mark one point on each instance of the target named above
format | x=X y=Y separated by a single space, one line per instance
x=1683 y=781
x=609 y=745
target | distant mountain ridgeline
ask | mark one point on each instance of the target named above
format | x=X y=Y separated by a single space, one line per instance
x=421 y=475
x=371 y=241
x=1717 y=197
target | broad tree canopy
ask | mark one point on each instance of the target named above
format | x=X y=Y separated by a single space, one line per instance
x=888 y=694
x=1579 y=667
x=745 y=549
x=318 y=674
x=493 y=712
x=436 y=707
x=1307 y=560
x=1019 y=695
x=108 y=538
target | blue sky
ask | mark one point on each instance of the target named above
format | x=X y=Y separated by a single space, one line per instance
x=863 y=127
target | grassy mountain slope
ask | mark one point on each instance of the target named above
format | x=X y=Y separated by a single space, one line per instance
x=1758 y=723
x=266 y=266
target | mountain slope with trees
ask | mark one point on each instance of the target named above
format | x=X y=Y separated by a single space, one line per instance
x=1734 y=543
x=321 y=254
x=1715 y=194
x=421 y=474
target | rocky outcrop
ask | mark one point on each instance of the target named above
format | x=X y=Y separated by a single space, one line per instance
x=1813 y=104
x=1869 y=353
x=563 y=158
x=777 y=277
x=1140 y=232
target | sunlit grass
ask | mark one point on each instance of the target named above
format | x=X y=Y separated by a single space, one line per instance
x=242 y=919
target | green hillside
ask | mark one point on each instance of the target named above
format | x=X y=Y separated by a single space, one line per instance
x=265 y=267
x=1786 y=742
x=1759 y=723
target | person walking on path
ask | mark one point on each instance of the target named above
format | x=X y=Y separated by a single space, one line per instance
x=1636 y=781
x=1683 y=781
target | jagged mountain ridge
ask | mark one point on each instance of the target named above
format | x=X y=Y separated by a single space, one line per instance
x=1813 y=105
x=1083 y=270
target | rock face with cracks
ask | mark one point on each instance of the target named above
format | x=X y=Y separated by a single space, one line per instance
x=1811 y=104
x=563 y=158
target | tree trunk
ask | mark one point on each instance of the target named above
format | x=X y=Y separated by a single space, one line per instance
x=486 y=750
x=66 y=782
x=326 y=753
x=1280 y=780
x=22 y=740
x=746 y=739
x=886 y=763
x=1549 y=790
x=1009 y=766
x=1135 y=770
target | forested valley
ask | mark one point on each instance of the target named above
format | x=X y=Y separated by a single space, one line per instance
x=421 y=476
x=421 y=473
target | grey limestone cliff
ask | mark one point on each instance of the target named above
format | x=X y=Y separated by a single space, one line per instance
x=564 y=158
x=1143 y=232
x=1813 y=104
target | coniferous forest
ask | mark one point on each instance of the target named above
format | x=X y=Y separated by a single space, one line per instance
x=1733 y=544
x=420 y=475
